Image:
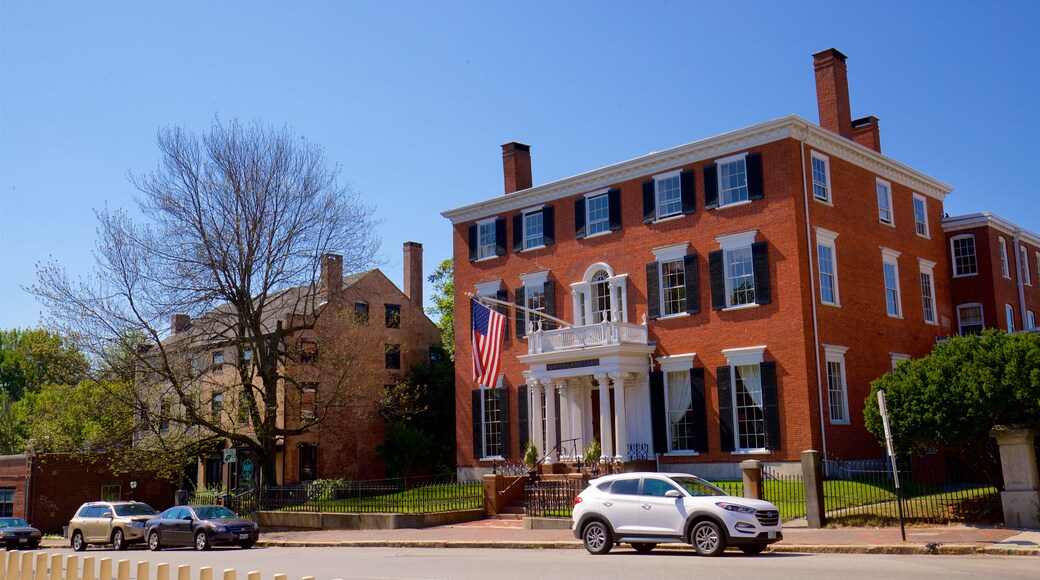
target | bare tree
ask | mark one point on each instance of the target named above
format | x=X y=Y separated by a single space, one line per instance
x=227 y=257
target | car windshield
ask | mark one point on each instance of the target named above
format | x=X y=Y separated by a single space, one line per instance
x=697 y=486
x=13 y=523
x=215 y=513
x=134 y=509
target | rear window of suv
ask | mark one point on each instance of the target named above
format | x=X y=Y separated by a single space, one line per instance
x=625 y=487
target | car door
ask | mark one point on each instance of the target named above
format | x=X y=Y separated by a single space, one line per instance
x=661 y=515
x=181 y=526
x=621 y=505
x=97 y=524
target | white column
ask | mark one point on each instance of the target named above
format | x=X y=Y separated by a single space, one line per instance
x=606 y=430
x=566 y=430
x=550 y=425
x=537 y=387
x=620 y=415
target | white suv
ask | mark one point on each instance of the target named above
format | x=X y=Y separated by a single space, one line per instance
x=646 y=509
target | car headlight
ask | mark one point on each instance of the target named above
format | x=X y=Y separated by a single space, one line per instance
x=256 y=526
x=732 y=507
x=2 y=535
x=219 y=528
x=136 y=524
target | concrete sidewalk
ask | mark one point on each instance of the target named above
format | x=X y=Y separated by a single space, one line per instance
x=954 y=539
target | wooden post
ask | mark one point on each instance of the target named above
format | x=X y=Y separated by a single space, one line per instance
x=812 y=480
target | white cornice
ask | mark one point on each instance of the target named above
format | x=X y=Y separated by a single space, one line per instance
x=986 y=219
x=791 y=126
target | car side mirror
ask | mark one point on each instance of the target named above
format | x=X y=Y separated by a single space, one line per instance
x=672 y=493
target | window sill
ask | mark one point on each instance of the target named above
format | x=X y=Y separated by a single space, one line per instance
x=891 y=224
x=826 y=202
x=492 y=458
x=751 y=452
x=676 y=315
x=736 y=204
x=922 y=236
x=896 y=316
x=831 y=304
x=599 y=234
x=741 y=307
x=841 y=423
x=931 y=322
x=533 y=248
x=965 y=275
x=681 y=454
x=486 y=259
x=669 y=218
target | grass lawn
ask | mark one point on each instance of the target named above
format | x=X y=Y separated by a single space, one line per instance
x=420 y=500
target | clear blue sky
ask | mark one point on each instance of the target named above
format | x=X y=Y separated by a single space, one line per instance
x=413 y=99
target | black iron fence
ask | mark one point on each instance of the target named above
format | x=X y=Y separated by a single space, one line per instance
x=864 y=492
x=786 y=490
x=552 y=499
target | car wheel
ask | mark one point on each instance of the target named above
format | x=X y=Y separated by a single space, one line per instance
x=201 y=541
x=77 y=541
x=597 y=537
x=643 y=547
x=707 y=538
x=118 y=541
x=153 y=541
x=752 y=549
x=246 y=545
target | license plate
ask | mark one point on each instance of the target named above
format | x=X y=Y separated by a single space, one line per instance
x=23 y=540
x=772 y=535
x=243 y=536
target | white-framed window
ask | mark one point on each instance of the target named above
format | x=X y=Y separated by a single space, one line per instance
x=1030 y=320
x=928 y=290
x=1009 y=313
x=1023 y=257
x=739 y=268
x=921 y=215
x=821 y=177
x=733 y=186
x=749 y=418
x=597 y=214
x=897 y=358
x=600 y=296
x=672 y=274
x=534 y=296
x=534 y=229
x=491 y=422
x=890 y=268
x=962 y=248
x=827 y=262
x=1002 y=247
x=487 y=240
x=668 y=194
x=884 y=202
x=218 y=362
x=837 y=389
x=679 y=403
x=970 y=319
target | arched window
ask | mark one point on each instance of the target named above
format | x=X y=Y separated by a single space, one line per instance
x=600 y=296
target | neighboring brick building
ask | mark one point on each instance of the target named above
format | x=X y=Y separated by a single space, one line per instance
x=14 y=478
x=995 y=268
x=731 y=298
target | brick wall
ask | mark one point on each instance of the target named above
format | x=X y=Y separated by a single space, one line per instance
x=14 y=473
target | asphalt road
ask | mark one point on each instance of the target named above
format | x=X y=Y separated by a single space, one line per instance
x=501 y=564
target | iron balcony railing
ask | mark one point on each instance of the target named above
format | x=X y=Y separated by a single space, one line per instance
x=579 y=337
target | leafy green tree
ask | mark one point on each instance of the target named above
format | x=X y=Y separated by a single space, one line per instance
x=420 y=421
x=443 y=308
x=951 y=398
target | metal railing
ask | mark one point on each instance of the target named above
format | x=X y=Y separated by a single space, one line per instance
x=578 y=337
x=552 y=499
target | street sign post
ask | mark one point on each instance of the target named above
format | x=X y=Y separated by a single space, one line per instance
x=230 y=455
x=892 y=458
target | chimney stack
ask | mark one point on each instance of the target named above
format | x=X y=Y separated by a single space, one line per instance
x=331 y=277
x=413 y=278
x=516 y=165
x=832 y=92
x=179 y=323
x=866 y=132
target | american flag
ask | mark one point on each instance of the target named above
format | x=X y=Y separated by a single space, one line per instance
x=487 y=343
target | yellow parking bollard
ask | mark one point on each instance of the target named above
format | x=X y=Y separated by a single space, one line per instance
x=123 y=570
x=88 y=568
x=106 y=569
x=253 y=576
x=162 y=571
x=142 y=571
x=56 y=567
x=41 y=566
x=229 y=574
x=12 y=565
x=72 y=568
x=183 y=572
x=27 y=568
x=281 y=577
x=3 y=564
x=206 y=573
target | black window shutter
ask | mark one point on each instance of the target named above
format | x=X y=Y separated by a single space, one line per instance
x=500 y=236
x=693 y=286
x=760 y=264
x=548 y=225
x=658 y=417
x=579 y=218
x=614 y=207
x=649 y=201
x=688 y=191
x=518 y=232
x=770 y=405
x=550 y=305
x=521 y=323
x=755 y=183
x=699 y=408
x=503 y=295
x=478 y=424
x=473 y=243
x=717 y=275
x=653 y=290
x=503 y=410
x=523 y=415
x=722 y=374
x=711 y=186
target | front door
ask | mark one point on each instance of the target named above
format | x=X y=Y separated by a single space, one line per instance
x=597 y=421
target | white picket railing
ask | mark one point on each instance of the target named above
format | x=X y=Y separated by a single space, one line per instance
x=578 y=337
x=34 y=566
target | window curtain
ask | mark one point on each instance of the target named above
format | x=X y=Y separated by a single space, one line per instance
x=752 y=378
x=680 y=397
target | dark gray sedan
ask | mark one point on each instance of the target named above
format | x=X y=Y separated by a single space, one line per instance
x=200 y=526
x=16 y=533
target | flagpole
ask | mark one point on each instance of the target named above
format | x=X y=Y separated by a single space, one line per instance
x=518 y=307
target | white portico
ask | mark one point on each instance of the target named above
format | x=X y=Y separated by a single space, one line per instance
x=591 y=381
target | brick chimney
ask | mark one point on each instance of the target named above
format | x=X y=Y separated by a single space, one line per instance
x=413 y=278
x=865 y=131
x=179 y=323
x=331 y=277
x=516 y=165
x=832 y=92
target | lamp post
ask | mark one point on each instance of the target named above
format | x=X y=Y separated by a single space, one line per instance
x=133 y=490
